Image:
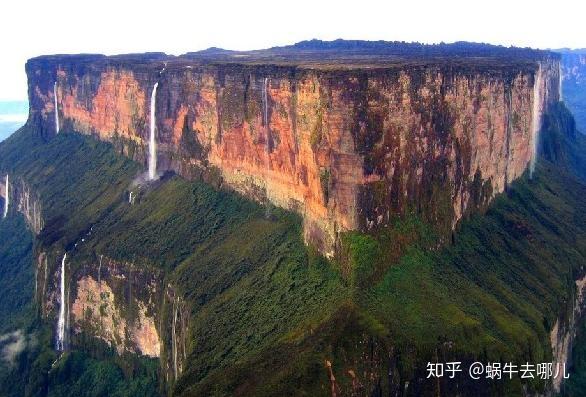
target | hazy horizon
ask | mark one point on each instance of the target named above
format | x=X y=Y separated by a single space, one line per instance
x=13 y=115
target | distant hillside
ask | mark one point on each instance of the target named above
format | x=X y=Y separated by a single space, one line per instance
x=574 y=84
x=370 y=52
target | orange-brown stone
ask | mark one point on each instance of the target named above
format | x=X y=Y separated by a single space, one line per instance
x=347 y=149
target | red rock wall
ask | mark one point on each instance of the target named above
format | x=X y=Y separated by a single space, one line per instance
x=346 y=149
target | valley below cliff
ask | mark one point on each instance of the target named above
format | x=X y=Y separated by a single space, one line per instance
x=313 y=227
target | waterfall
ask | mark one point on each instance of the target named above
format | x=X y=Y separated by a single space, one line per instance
x=536 y=124
x=130 y=198
x=36 y=283
x=56 y=108
x=100 y=273
x=45 y=279
x=61 y=321
x=174 y=337
x=560 y=77
x=6 y=197
x=265 y=103
x=152 y=141
x=265 y=118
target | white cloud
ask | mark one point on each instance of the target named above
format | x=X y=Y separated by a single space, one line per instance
x=12 y=344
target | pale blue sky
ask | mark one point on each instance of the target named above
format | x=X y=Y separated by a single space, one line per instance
x=31 y=28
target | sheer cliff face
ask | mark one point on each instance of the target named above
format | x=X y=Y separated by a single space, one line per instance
x=25 y=201
x=117 y=303
x=347 y=149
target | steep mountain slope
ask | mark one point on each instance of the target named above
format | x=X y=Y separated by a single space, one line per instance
x=35 y=371
x=494 y=294
x=323 y=225
x=346 y=135
x=260 y=314
x=16 y=272
x=219 y=242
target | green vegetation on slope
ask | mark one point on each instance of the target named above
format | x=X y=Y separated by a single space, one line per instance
x=267 y=314
x=77 y=374
x=492 y=295
x=16 y=272
x=225 y=251
x=16 y=305
x=27 y=357
x=78 y=180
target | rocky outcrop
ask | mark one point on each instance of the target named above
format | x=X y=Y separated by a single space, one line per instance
x=347 y=146
x=24 y=200
x=175 y=330
x=117 y=303
x=126 y=306
x=563 y=334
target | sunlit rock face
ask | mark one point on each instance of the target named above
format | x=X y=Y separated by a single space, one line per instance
x=117 y=303
x=347 y=147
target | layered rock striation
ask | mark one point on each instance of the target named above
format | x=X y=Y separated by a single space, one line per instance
x=347 y=142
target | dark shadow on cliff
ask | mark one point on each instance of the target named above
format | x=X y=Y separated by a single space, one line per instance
x=492 y=295
x=561 y=143
x=270 y=317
